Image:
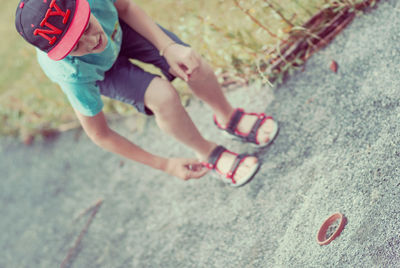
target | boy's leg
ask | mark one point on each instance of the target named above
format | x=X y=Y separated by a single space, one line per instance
x=203 y=81
x=205 y=86
x=162 y=99
x=141 y=89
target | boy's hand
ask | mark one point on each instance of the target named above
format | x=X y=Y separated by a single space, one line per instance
x=185 y=169
x=182 y=60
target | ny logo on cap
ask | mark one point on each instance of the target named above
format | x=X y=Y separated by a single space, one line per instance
x=53 y=30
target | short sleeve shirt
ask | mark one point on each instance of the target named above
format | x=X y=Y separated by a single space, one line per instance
x=78 y=76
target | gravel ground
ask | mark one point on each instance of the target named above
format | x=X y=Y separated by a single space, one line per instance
x=338 y=150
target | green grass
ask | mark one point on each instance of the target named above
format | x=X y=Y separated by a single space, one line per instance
x=231 y=35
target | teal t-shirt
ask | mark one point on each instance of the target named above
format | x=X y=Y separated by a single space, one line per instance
x=77 y=76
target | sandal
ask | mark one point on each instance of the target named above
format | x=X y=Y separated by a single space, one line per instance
x=232 y=127
x=229 y=177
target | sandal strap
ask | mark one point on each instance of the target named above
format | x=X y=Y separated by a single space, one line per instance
x=252 y=136
x=239 y=159
x=234 y=121
x=215 y=155
x=232 y=126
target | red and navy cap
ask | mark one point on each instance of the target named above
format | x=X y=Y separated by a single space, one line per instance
x=54 y=26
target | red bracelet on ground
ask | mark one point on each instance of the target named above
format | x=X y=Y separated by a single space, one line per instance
x=321 y=236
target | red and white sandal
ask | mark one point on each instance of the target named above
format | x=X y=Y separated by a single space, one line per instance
x=251 y=136
x=229 y=177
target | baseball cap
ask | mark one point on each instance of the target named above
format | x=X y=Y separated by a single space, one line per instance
x=53 y=26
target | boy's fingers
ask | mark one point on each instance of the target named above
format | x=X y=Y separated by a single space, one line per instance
x=196 y=169
x=181 y=74
x=199 y=166
x=198 y=174
x=194 y=162
x=190 y=66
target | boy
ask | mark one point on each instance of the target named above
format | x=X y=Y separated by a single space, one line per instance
x=85 y=47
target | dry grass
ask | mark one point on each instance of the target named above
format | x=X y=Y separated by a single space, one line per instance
x=232 y=35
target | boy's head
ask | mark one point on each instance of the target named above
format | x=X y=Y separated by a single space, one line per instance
x=57 y=27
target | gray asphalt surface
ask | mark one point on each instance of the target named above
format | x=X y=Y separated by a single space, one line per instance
x=338 y=150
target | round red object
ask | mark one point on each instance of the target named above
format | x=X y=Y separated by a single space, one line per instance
x=321 y=236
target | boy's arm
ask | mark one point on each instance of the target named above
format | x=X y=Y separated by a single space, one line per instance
x=97 y=129
x=180 y=57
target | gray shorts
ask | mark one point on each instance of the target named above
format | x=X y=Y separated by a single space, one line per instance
x=128 y=82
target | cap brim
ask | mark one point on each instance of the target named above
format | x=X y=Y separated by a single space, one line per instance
x=73 y=33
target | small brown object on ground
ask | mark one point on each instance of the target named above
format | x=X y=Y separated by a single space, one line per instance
x=334 y=66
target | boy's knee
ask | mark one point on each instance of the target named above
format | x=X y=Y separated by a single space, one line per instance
x=161 y=96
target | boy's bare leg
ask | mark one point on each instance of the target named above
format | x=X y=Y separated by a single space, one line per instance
x=163 y=100
x=172 y=118
x=205 y=86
